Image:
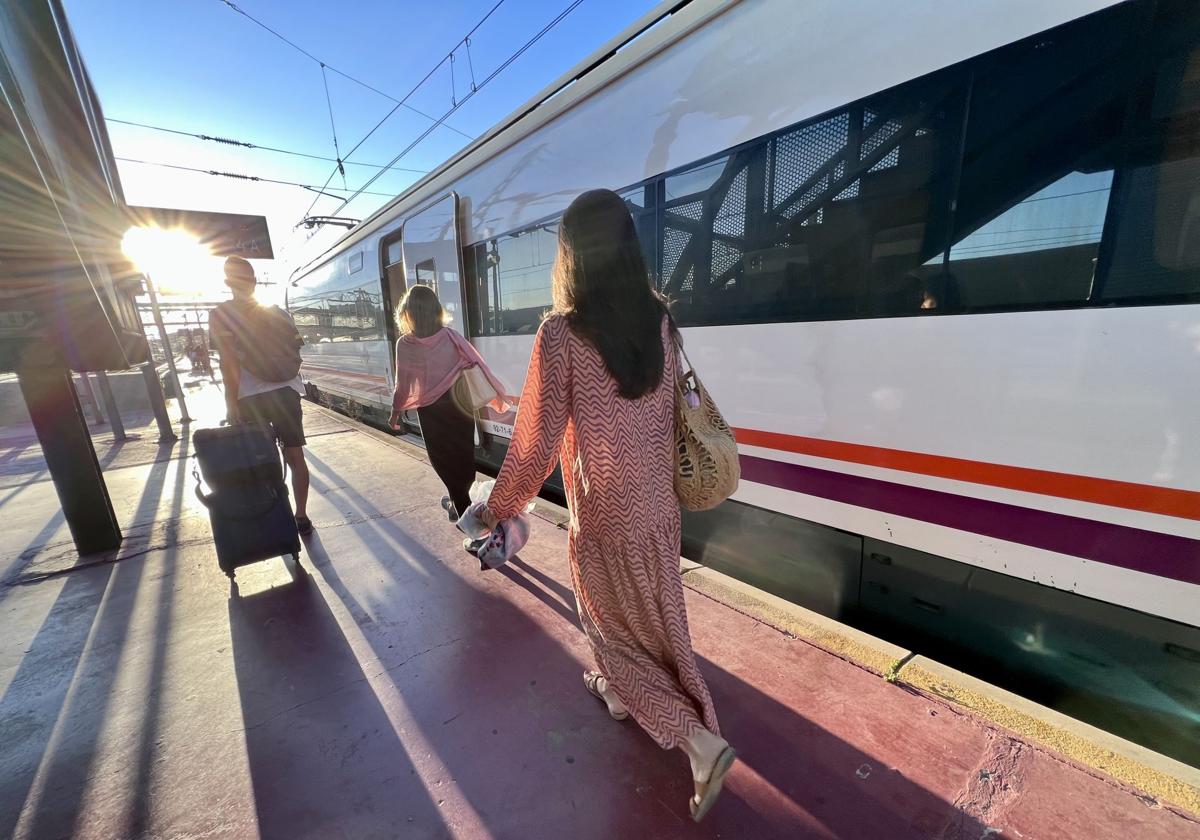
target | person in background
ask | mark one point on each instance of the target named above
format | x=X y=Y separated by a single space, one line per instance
x=599 y=398
x=430 y=358
x=259 y=350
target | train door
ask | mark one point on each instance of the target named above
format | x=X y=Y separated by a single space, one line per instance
x=432 y=256
x=394 y=284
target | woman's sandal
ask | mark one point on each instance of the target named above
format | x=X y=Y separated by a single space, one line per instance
x=701 y=803
x=591 y=681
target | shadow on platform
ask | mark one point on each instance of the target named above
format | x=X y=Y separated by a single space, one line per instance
x=325 y=758
x=65 y=693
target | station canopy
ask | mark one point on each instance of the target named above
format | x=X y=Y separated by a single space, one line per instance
x=222 y=234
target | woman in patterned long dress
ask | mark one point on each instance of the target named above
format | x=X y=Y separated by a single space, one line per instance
x=599 y=397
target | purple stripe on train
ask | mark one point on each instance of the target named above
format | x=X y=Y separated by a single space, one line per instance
x=1164 y=555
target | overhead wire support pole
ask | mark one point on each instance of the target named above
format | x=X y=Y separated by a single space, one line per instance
x=470 y=63
x=332 y=126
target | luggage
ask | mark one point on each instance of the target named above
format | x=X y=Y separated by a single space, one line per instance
x=237 y=454
x=248 y=508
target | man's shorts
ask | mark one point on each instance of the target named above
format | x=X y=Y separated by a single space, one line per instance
x=280 y=408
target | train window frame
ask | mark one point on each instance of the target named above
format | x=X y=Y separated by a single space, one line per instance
x=655 y=192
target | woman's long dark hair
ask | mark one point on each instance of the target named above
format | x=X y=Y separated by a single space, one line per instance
x=602 y=288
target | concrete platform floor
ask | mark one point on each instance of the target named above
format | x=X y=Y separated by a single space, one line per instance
x=390 y=689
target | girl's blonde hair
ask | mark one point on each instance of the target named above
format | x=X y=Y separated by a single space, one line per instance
x=420 y=313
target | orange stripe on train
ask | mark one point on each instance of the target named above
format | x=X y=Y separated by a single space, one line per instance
x=1167 y=501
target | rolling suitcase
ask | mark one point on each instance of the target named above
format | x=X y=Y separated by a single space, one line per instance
x=248 y=508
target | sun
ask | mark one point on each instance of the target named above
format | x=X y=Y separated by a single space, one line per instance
x=176 y=261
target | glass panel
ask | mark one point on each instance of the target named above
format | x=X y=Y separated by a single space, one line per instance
x=344 y=315
x=1155 y=251
x=694 y=181
x=1041 y=250
x=431 y=256
x=834 y=219
x=523 y=262
x=427 y=273
x=1043 y=142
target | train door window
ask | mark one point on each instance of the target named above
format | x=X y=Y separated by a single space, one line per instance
x=1042 y=142
x=394 y=283
x=426 y=273
x=1155 y=246
x=483 y=295
x=838 y=218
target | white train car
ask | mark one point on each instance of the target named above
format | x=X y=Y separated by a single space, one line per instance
x=939 y=266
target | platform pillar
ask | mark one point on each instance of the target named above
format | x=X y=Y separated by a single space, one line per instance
x=70 y=457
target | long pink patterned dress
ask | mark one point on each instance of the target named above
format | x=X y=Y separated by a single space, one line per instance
x=618 y=467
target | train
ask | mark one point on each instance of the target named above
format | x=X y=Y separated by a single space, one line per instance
x=939 y=266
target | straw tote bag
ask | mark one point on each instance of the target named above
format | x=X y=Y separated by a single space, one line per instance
x=479 y=390
x=706 y=457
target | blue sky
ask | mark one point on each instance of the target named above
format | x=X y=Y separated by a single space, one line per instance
x=197 y=65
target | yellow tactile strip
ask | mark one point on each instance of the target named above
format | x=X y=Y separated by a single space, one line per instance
x=1166 y=780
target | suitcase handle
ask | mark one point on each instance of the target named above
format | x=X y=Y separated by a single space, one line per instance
x=206 y=499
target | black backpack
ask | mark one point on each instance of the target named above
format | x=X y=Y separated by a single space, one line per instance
x=268 y=344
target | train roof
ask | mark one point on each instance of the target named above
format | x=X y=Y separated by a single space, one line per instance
x=639 y=42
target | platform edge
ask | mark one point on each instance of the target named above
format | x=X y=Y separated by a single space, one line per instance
x=873 y=654
x=1160 y=776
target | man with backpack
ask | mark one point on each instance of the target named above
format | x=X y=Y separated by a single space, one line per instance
x=259 y=349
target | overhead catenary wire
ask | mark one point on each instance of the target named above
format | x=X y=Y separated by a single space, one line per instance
x=248 y=145
x=507 y=62
x=407 y=96
x=241 y=177
x=333 y=69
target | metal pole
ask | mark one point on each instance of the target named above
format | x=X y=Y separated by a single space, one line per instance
x=70 y=457
x=110 y=404
x=90 y=396
x=170 y=354
x=166 y=434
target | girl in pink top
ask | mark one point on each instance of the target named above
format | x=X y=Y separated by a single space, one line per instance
x=429 y=361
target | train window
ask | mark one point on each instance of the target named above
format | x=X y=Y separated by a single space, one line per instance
x=838 y=218
x=1042 y=144
x=1155 y=247
x=641 y=201
x=510 y=280
x=354 y=314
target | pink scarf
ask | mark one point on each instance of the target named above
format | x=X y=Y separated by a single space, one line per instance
x=427 y=367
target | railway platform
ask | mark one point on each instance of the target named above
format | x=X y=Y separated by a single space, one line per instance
x=388 y=688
